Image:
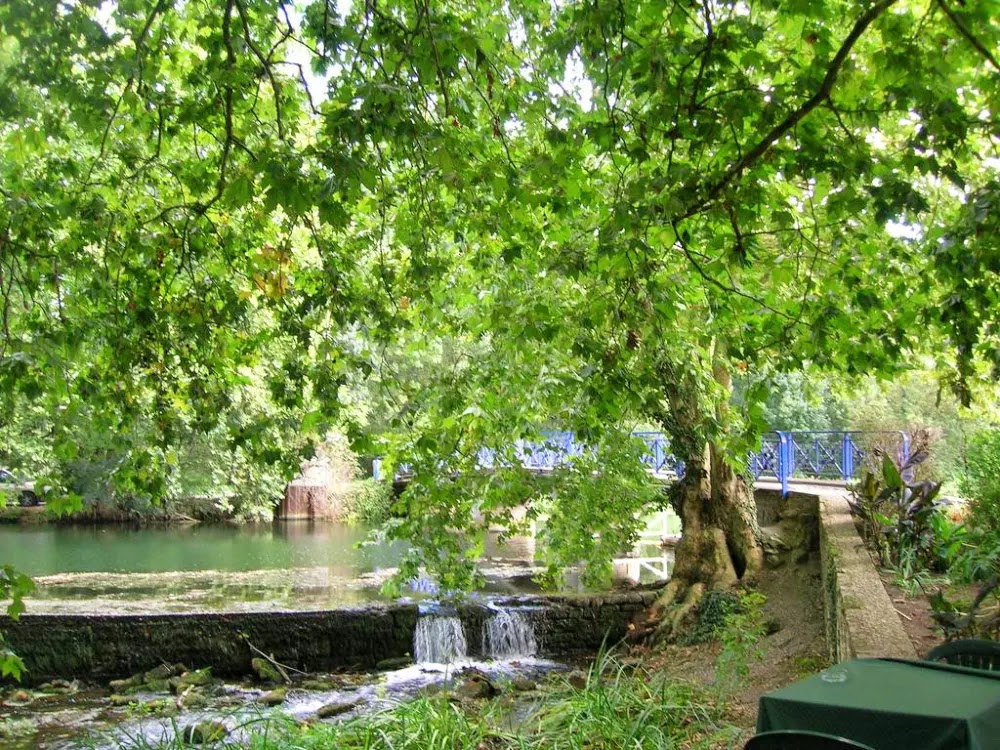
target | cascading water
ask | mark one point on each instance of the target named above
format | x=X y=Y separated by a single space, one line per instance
x=507 y=635
x=439 y=640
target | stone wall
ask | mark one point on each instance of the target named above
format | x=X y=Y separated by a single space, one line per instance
x=100 y=648
x=860 y=619
x=567 y=626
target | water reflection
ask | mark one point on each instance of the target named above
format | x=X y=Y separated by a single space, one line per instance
x=280 y=566
x=50 y=549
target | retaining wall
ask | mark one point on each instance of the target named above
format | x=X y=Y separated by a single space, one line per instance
x=860 y=619
x=100 y=648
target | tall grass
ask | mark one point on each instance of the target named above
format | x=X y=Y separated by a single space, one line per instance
x=626 y=707
x=619 y=707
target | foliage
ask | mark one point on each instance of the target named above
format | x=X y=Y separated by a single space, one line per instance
x=587 y=213
x=606 y=488
x=14 y=729
x=368 y=502
x=917 y=401
x=622 y=707
x=735 y=618
x=11 y=665
x=13 y=586
x=966 y=263
x=714 y=611
x=897 y=517
x=618 y=707
x=980 y=483
x=920 y=401
x=978 y=618
x=803 y=400
x=977 y=561
x=741 y=634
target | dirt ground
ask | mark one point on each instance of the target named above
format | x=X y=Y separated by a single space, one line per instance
x=797 y=648
x=915 y=614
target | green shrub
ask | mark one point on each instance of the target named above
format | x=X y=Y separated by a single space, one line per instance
x=898 y=518
x=619 y=706
x=625 y=707
x=741 y=634
x=714 y=610
x=368 y=502
x=981 y=481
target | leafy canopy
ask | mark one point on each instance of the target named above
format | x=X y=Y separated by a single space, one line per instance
x=595 y=208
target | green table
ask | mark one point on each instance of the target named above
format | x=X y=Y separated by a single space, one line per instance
x=890 y=704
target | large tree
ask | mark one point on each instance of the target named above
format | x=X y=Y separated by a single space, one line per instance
x=630 y=202
x=606 y=209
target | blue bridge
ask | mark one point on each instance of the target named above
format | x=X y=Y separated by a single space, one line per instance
x=784 y=456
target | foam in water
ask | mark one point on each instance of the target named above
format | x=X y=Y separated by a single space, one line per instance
x=507 y=635
x=439 y=640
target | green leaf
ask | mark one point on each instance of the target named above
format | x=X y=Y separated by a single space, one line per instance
x=890 y=474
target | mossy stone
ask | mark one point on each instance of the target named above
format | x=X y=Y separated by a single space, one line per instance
x=336 y=709
x=274 y=697
x=194 y=678
x=204 y=732
x=265 y=670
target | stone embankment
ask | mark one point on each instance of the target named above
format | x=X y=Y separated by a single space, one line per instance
x=861 y=621
x=100 y=648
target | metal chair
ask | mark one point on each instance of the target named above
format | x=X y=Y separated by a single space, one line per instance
x=793 y=739
x=968 y=652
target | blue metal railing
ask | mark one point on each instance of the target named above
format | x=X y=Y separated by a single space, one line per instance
x=784 y=455
x=823 y=454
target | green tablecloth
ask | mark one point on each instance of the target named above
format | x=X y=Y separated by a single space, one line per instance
x=893 y=704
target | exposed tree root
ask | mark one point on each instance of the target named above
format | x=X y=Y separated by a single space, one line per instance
x=705 y=563
x=675 y=615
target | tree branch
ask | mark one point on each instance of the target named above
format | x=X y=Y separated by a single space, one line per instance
x=227 y=145
x=714 y=281
x=967 y=33
x=267 y=64
x=796 y=116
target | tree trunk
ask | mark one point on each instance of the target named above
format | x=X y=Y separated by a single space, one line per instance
x=731 y=493
x=720 y=536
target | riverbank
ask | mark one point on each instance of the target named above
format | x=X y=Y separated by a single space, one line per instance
x=177 y=513
x=523 y=704
x=700 y=695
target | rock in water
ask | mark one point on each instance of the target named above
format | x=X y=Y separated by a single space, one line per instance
x=204 y=732
x=274 y=697
x=19 y=698
x=323 y=684
x=265 y=670
x=336 y=709
x=398 y=662
x=523 y=684
x=163 y=672
x=197 y=677
x=476 y=685
x=132 y=682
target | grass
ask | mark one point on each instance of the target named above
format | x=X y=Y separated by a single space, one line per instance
x=618 y=707
x=621 y=707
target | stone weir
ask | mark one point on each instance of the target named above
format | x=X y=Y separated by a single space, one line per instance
x=101 y=648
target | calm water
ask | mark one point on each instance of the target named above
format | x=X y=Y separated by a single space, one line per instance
x=49 y=550
x=301 y=566
x=213 y=568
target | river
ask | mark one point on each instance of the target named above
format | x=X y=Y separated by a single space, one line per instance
x=296 y=565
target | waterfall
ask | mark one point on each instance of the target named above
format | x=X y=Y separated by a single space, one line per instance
x=507 y=635
x=439 y=640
